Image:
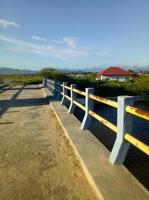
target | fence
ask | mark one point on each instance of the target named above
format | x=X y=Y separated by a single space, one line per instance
x=123 y=139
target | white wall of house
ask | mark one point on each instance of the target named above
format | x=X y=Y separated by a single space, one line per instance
x=120 y=78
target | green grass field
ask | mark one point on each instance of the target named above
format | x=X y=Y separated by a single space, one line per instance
x=20 y=79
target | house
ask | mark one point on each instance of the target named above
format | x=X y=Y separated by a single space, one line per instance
x=114 y=73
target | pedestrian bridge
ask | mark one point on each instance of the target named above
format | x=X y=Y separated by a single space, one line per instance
x=27 y=135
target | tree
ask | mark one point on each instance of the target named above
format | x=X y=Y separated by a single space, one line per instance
x=47 y=72
x=54 y=74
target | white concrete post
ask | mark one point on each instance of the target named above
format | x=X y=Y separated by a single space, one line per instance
x=58 y=91
x=53 y=86
x=45 y=82
x=64 y=93
x=49 y=85
x=121 y=146
x=73 y=96
x=89 y=105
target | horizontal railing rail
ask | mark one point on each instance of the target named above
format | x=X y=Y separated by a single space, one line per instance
x=137 y=143
x=103 y=121
x=68 y=88
x=137 y=112
x=79 y=92
x=79 y=105
x=103 y=100
x=123 y=139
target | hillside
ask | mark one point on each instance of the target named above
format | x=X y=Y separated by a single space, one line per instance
x=7 y=71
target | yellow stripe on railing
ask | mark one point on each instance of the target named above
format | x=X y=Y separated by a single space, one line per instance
x=79 y=92
x=137 y=143
x=68 y=88
x=104 y=100
x=79 y=105
x=103 y=121
x=130 y=109
x=67 y=97
x=137 y=112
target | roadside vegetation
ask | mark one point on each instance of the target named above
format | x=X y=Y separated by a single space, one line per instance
x=20 y=79
x=139 y=85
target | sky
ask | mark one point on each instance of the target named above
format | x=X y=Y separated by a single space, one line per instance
x=73 y=33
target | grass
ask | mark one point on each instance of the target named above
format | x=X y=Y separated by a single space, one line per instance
x=21 y=79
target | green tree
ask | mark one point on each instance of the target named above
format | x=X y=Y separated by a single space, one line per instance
x=47 y=72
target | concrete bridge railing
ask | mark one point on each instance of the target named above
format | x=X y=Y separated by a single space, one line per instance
x=123 y=139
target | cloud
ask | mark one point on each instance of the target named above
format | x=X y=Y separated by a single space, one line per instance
x=65 y=48
x=103 y=54
x=67 y=51
x=4 y=24
x=67 y=41
x=35 y=37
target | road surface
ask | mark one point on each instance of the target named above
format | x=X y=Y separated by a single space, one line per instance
x=36 y=161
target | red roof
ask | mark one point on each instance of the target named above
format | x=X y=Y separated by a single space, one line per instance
x=114 y=71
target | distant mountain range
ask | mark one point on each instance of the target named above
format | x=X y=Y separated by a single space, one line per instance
x=99 y=68
x=7 y=70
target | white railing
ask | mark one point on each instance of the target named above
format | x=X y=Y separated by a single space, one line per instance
x=123 y=139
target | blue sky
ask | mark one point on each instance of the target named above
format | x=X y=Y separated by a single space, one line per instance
x=73 y=34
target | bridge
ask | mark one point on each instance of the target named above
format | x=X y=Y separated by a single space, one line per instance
x=47 y=153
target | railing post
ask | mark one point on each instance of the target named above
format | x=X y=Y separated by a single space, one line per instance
x=58 y=90
x=49 y=85
x=121 y=146
x=54 y=87
x=64 y=93
x=89 y=105
x=73 y=97
x=45 y=82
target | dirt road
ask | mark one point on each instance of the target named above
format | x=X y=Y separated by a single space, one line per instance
x=36 y=161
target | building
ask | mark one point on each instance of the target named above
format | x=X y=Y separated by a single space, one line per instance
x=114 y=73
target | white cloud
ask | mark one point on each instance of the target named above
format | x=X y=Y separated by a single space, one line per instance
x=65 y=48
x=35 y=37
x=6 y=24
x=68 y=51
x=103 y=54
x=67 y=41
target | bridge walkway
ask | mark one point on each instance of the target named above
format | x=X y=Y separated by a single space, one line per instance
x=36 y=161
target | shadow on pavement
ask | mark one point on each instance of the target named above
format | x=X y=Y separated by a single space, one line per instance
x=4 y=123
x=5 y=88
x=25 y=88
x=14 y=102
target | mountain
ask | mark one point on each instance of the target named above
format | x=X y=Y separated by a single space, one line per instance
x=83 y=69
x=100 y=68
x=134 y=68
x=139 y=68
x=7 y=71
